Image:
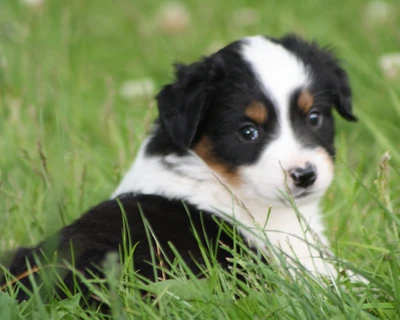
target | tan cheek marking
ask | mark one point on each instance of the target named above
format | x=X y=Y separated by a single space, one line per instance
x=257 y=112
x=305 y=101
x=326 y=158
x=203 y=148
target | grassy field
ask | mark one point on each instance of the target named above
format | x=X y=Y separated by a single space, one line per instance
x=71 y=122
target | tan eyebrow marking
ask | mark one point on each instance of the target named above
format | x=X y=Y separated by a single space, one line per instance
x=257 y=112
x=305 y=101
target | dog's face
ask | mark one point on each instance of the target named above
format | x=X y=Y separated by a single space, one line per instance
x=259 y=113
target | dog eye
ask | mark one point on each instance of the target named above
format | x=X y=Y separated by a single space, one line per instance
x=315 y=119
x=249 y=133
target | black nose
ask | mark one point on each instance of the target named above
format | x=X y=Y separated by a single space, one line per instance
x=304 y=177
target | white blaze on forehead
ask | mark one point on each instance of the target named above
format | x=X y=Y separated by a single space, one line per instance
x=280 y=74
x=279 y=71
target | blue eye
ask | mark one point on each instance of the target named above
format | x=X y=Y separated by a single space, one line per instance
x=249 y=133
x=315 y=118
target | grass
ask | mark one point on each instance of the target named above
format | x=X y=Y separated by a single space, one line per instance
x=67 y=135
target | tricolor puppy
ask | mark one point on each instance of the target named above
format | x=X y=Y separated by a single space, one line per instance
x=238 y=133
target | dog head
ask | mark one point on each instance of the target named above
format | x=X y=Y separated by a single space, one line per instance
x=259 y=114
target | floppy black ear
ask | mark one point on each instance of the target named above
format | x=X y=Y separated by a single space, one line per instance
x=342 y=93
x=183 y=104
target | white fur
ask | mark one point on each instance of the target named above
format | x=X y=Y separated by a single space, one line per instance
x=280 y=71
x=197 y=185
x=280 y=74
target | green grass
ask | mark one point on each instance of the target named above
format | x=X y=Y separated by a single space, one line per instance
x=67 y=136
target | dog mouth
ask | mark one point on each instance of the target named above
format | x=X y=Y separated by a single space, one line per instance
x=297 y=194
x=301 y=194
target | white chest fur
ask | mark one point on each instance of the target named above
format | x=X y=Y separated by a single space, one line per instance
x=188 y=178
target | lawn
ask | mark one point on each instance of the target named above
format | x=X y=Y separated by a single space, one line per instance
x=76 y=85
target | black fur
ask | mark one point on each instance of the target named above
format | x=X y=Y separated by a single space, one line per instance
x=329 y=77
x=208 y=99
x=99 y=232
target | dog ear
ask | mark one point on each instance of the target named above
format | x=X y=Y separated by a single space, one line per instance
x=183 y=104
x=342 y=93
x=324 y=61
x=337 y=81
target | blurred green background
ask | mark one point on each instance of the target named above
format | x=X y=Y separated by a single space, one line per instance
x=77 y=80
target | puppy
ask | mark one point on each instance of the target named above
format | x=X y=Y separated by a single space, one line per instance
x=242 y=136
